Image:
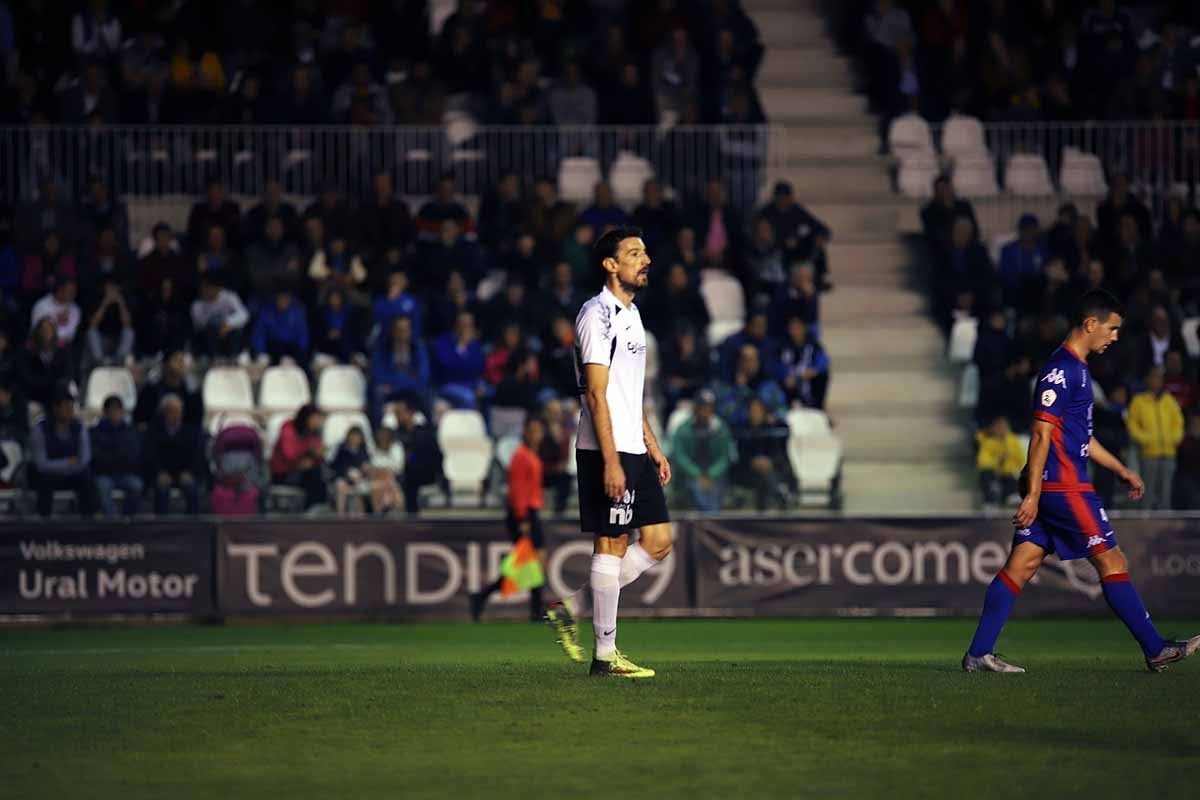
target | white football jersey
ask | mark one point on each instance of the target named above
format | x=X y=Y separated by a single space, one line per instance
x=608 y=333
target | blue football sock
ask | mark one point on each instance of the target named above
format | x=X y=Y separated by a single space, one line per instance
x=997 y=605
x=1123 y=599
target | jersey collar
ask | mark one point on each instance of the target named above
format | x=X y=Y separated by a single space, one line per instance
x=616 y=301
x=1068 y=350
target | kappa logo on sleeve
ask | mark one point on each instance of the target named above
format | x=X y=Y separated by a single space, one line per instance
x=1056 y=376
x=1048 y=397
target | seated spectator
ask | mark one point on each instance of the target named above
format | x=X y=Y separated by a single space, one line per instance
x=299 y=456
x=558 y=358
x=281 y=330
x=1112 y=432
x=677 y=304
x=45 y=364
x=397 y=301
x=62 y=455
x=272 y=204
x=686 y=367
x=512 y=305
x=14 y=415
x=1186 y=494
x=108 y=263
x=800 y=235
x=523 y=263
x=509 y=342
x=701 y=451
x=337 y=266
x=384 y=219
x=117 y=459
x=166 y=262
x=999 y=458
x=1156 y=426
x=762 y=459
x=110 y=330
x=174 y=380
x=218 y=319
x=46 y=267
x=939 y=215
x=451 y=252
x=521 y=386
x=60 y=308
x=604 y=213
x=400 y=368
x=457 y=362
x=994 y=347
x=1007 y=394
x=335 y=213
x=501 y=213
x=1151 y=347
x=799 y=297
x=657 y=217
x=1129 y=257
x=215 y=211
x=387 y=465
x=676 y=72
x=361 y=89
x=1021 y=261
x=764 y=260
x=556 y=452
x=749 y=380
x=273 y=261
x=803 y=366
x=441 y=207
x=1118 y=203
x=175 y=457
x=562 y=296
x=718 y=225
x=445 y=307
x=422 y=455
x=576 y=250
x=755 y=334
x=338 y=329
x=1177 y=382
x=100 y=211
x=549 y=218
x=628 y=102
x=349 y=469
x=964 y=278
x=571 y=101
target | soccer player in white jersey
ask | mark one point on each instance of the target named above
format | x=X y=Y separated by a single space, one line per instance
x=621 y=469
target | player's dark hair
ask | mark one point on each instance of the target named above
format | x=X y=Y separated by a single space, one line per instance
x=1097 y=303
x=606 y=247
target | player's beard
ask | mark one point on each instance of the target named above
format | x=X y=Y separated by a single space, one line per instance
x=637 y=284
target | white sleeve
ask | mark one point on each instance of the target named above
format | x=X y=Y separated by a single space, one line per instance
x=594 y=335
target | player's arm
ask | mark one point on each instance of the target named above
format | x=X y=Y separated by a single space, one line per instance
x=1100 y=454
x=597 y=403
x=656 y=454
x=1039 y=451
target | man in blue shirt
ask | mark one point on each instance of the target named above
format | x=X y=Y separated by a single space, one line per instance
x=281 y=329
x=1021 y=261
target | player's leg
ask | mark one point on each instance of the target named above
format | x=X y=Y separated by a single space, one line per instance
x=652 y=546
x=1022 y=564
x=1125 y=602
x=605 y=582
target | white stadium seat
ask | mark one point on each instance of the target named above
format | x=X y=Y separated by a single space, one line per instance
x=681 y=414
x=917 y=171
x=968 y=387
x=577 y=178
x=338 y=424
x=975 y=176
x=909 y=134
x=506 y=446
x=721 y=329
x=283 y=388
x=467 y=451
x=962 y=340
x=817 y=462
x=808 y=422
x=1191 y=336
x=627 y=176
x=275 y=424
x=103 y=382
x=228 y=389
x=723 y=295
x=341 y=387
x=1028 y=176
x=963 y=136
x=1082 y=174
x=224 y=419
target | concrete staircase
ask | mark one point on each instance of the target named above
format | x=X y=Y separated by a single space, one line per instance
x=892 y=392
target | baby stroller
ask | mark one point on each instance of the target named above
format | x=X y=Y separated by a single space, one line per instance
x=238 y=470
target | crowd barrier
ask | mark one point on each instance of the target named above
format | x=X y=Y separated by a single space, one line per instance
x=425 y=569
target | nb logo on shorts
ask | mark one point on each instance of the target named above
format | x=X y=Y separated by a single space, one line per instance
x=1056 y=376
x=1095 y=541
x=621 y=513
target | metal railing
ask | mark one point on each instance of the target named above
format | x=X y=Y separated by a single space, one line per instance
x=153 y=161
x=1161 y=159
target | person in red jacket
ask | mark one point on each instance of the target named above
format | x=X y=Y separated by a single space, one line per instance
x=299 y=455
x=525 y=503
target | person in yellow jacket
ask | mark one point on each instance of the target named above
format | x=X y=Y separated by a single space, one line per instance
x=1000 y=459
x=1156 y=425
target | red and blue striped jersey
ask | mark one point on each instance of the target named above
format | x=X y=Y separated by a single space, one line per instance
x=1063 y=398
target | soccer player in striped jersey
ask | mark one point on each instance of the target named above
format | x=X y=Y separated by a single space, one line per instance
x=1060 y=512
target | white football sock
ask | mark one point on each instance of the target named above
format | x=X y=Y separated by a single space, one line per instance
x=636 y=561
x=606 y=593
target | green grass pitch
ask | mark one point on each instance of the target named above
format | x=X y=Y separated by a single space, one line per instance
x=765 y=708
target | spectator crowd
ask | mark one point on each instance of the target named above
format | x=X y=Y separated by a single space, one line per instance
x=1146 y=384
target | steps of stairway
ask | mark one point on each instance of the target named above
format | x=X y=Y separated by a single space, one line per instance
x=787 y=104
x=886 y=389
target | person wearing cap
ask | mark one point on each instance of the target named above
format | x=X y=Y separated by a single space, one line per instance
x=1021 y=261
x=802 y=236
x=62 y=456
x=702 y=450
